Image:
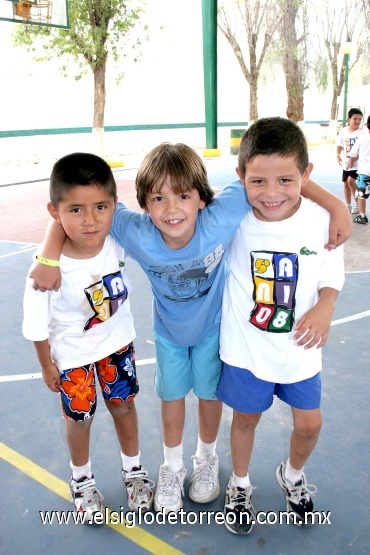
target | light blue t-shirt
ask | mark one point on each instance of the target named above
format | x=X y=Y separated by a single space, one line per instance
x=188 y=283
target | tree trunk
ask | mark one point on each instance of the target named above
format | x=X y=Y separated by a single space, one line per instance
x=99 y=108
x=253 y=98
x=295 y=92
x=334 y=105
x=337 y=88
x=294 y=80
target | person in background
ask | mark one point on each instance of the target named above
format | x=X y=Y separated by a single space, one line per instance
x=361 y=152
x=345 y=141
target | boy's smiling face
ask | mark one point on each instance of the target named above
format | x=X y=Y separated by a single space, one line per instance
x=174 y=214
x=273 y=185
x=354 y=122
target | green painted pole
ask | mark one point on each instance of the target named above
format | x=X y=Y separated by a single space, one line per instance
x=345 y=93
x=209 y=21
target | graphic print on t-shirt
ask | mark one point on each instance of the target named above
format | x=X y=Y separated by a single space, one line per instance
x=105 y=296
x=275 y=278
x=191 y=280
x=349 y=142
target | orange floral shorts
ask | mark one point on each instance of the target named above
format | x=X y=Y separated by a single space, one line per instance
x=117 y=378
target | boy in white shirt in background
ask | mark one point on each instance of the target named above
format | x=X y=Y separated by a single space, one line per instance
x=347 y=137
x=361 y=152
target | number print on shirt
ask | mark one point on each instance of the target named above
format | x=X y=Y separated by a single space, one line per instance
x=274 y=285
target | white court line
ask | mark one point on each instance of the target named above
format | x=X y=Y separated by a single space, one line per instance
x=18 y=377
x=37 y=375
x=17 y=242
x=18 y=252
x=351 y=318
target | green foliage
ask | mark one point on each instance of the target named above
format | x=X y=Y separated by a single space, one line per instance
x=321 y=72
x=98 y=29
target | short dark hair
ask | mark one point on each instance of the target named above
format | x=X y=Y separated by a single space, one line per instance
x=273 y=136
x=80 y=169
x=368 y=122
x=354 y=111
x=181 y=164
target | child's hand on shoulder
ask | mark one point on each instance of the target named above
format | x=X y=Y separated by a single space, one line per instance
x=340 y=227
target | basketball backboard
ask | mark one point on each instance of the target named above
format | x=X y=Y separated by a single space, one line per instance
x=50 y=13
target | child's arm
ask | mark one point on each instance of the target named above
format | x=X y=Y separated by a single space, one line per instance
x=50 y=372
x=46 y=277
x=353 y=155
x=340 y=219
x=313 y=328
x=351 y=161
x=339 y=158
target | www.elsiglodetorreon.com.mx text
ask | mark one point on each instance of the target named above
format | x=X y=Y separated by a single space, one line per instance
x=131 y=518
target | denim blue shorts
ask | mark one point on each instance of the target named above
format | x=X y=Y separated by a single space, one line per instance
x=117 y=378
x=182 y=369
x=242 y=391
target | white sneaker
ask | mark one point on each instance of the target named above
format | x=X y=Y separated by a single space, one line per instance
x=204 y=484
x=86 y=497
x=298 y=496
x=355 y=209
x=238 y=503
x=139 y=489
x=170 y=489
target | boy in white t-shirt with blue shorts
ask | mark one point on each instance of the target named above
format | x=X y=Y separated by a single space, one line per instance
x=277 y=307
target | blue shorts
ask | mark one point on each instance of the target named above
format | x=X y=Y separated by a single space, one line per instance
x=117 y=378
x=242 y=391
x=362 y=186
x=180 y=369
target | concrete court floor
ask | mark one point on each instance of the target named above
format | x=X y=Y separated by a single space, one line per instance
x=33 y=459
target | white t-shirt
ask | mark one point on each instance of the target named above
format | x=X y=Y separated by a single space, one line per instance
x=276 y=270
x=346 y=139
x=361 y=148
x=89 y=317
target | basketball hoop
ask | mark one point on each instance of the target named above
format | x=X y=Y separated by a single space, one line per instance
x=34 y=12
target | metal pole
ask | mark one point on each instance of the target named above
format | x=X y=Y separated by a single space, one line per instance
x=345 y=93
x=209 y=21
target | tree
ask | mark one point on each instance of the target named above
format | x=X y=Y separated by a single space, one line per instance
x=252 y=23
x=98 y=29
x=344 y=21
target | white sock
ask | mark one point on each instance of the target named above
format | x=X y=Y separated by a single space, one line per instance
x=128 y=463
x=204 y=449
x=292 y=474
x=79 y=472
x=240 y=482
x=173 y=457
x=362 y=214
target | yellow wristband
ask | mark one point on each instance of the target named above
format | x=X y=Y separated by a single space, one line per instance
x=47 y=261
